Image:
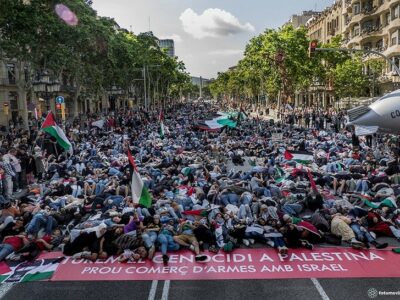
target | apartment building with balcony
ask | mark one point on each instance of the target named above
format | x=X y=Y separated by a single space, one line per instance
x=327 y=24
x=375 y=25
x=363 y=24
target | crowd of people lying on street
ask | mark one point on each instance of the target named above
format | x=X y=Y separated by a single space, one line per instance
x=211 y=190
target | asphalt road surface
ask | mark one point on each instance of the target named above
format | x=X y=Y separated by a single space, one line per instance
x=218 y=289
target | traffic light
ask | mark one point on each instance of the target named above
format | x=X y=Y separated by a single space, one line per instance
x=311 y=50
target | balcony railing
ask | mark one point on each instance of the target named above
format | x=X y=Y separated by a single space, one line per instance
x=369 y=10
x=370 y=28
x=7 y=81
x=66 y=88
x=380 y=48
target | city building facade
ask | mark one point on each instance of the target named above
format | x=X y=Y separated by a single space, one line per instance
x=362 y=24
x=169 y=45
x=300 y=20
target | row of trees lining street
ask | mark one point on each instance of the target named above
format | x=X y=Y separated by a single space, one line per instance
x=277 y=62
x=94 y=55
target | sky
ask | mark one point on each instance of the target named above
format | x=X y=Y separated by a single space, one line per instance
x=210 y=35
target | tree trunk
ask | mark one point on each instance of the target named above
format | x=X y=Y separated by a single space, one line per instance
x=22 y=105
x=77 y=92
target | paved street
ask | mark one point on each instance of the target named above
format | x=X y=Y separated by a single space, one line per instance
x=233 y=289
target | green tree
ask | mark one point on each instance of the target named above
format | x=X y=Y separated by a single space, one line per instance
x=349 y=78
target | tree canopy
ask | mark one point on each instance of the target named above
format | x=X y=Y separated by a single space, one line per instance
x=94 y=55
x=277 y=61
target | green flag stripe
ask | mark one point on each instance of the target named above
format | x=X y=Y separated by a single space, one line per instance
x=227 y=122
x=38 y=276
x=145 y=198
x=55 y=133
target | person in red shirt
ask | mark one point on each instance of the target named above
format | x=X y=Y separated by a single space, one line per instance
x=33 y=249
x=11 y=244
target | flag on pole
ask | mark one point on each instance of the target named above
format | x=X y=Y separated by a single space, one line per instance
x=131 y=160
x=161 y=119
x=50 y=126
x=140 y=194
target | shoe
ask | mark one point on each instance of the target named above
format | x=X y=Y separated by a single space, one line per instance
x=80 y=254
x=200 y=257
x=252 y=241
x=356 y=245
x=165 y=258
x=270 y=243
x=246 y=242
x=381 y=245
x=307 y=245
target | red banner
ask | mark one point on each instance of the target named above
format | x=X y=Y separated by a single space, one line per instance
x=239 y=264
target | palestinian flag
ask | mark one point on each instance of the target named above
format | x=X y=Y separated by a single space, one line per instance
x=220 y=121
x=302 y=157
x=161 y=119
x=197 y=212
x=39 y=269
x=49 y=126
x=140 y=194
x=388 y=202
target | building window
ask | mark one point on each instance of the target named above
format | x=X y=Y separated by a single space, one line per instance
x=11 y=73
x=12 y=97
x=356 y=30
x=379 y=45
x=387 y=19
x=395 y=12
x=367 y=46
x=367 y=26
x=356 y=9
x=396 y=61
x=394 y=40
